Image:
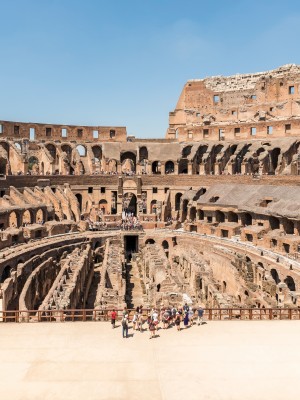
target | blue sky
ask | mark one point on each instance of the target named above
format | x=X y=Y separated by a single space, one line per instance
x=124 y=62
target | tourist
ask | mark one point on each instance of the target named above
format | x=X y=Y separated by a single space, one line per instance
x=125 y=326
x=165 y=319
x=135 y=321
x=177 y=321
x=191 y=316
x=186 y=308
x=113 y=318
x=186 y=320
x=200 y=315
x=152 y=327
x=140 y=322
x=155 y=317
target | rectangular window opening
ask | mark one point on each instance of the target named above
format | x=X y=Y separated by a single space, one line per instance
x=48 y=132
x=31 y=134
x=252 y=131
x=216 y=98
x=1 y=129
x=253 y=96
x=90 y=190
x=269 y=130
x=102 y=189
x=205 y=133
x=288 y=128
x=79 y=133
x=95 y=134
x=16 y=130
x=64 y=132
x=237 y=131
x=112 y=133
x=291 y=89
x=154 y=190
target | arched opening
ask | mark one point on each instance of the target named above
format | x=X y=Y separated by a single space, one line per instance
x=186 y=151
x=274 y=223
x=129 y=203
x=193 y=213
x=112 y=166
x=150 y=241
x=52 y=150
x=169 y=167
x=158 y=287
x=232 y=217
x=97 y=153
x=183 y=166
x=27 y=217
x=143 y=153
x=153 y=206
x=3 y=163
x=81 y=150
x=274 y=158
x=275 y=275
x=13 y=220
x=103 y=206
x=18 y=146
x=165 y=246
x=156 y=167
x=33 y=165
x=220 y=216
x=68 y=150
x=79 y=199
x=128 y=162
x=39 y=218
x=5 y=274
x=177 y=201
x=246 y=219
x=201 y=215
x=289 y=281
x=288 y=226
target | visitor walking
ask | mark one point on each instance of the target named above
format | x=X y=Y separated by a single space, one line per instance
x=113 y=318
x=125 y=326
x=177 y=321
x=186 y=320
x=200 y=315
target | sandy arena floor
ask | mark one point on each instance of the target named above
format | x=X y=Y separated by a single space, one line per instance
x=236 y=360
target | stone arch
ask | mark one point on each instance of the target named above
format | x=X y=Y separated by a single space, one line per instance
x=13 y=220
x=97 y=153
x=112 y=165
x=169 y=167
x=128 y=161
x=274 y=158
x=129 y=203
x=288 y=226
x=27 y=217
x=39 y=217
x=183 y=166
x=193 y=213
x=289 y=281
x=177 y=201
x=52 y=150
x=155 y=168
x=103 y=206
x=68 y=150
x=81 y=150
x=33 y=163
x=6 y=273
x=246 y=219
x=165 y=246
x=274 y=222
x=220 y=216
x=233 y=217
x=153 y=206
x=184 y=210
x=150 y=241
x=186 y=151
x=275 y=275
x=143 y=153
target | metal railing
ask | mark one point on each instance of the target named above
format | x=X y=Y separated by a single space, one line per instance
x=210 y=314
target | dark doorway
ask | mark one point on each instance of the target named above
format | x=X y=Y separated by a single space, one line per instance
x=131 y=245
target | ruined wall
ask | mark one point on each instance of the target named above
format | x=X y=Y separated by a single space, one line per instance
x=219 y=108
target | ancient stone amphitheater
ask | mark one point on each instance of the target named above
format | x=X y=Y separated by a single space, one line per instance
x=93 y=219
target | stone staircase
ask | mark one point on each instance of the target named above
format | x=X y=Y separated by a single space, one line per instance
x=136 y=290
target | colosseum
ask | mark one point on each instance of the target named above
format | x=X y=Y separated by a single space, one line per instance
x=93 y=219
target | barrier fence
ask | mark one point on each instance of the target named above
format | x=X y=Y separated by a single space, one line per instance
x=210 y=314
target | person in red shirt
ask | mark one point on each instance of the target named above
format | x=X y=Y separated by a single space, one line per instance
x=113 y=318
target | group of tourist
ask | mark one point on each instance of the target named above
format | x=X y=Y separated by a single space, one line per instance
x=130 y=222
x=167 y=316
